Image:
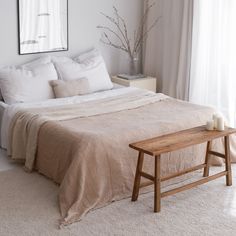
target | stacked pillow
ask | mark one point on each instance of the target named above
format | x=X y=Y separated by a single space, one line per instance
x=89 y=66
x=38 y=80
x=4 y=68
x=40 y=61
x=29 y=82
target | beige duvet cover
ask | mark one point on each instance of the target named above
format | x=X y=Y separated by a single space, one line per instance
x=84 y=147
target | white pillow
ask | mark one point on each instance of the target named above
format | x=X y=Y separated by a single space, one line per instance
x=2 y=67
x=66 y=67
x=94 y=53
x=89 y=65
x=36 y=66
x=37 y=62
x=20 y=85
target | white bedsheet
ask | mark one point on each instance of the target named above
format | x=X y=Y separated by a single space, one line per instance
x=3 y=106
x=11 y=110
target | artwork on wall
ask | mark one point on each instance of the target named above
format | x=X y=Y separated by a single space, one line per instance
x=43 y=26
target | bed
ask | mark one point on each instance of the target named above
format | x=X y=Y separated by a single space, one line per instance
x=81 y=143
x=80 y=139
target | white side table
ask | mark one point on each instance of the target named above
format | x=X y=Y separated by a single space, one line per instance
x=149 y=83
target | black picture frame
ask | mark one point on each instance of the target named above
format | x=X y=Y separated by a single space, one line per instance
x=46 y=51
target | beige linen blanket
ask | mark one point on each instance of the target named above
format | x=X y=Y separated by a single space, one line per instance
x=84 y=147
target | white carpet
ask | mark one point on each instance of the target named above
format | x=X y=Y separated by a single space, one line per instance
x=28 y=206
x=4 y=162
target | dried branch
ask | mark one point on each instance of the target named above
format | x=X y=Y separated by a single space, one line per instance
x=116 y=13
x=109 y=43
x=122 y=35
x=144 y=20
x=124 y=27
x=144 y=35
x=135 y=35
x=112 y=20
x=112 y=32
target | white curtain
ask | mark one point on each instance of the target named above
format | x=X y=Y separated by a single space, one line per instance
x=213 y=64
x=167 y=52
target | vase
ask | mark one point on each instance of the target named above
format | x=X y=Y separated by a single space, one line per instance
x=134 y=66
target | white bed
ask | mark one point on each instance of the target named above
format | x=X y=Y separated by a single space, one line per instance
x=81 y=142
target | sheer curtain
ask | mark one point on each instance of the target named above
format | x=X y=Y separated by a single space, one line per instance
x=213 y=65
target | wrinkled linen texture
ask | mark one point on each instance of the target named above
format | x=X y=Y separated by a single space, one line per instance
x=84 y=147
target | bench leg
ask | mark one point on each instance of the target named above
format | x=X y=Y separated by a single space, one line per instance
x=206 y=169
x=228 y=162
x=137 y=177
x=157 y=184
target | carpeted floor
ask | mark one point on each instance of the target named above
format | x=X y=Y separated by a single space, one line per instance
x=28 y=206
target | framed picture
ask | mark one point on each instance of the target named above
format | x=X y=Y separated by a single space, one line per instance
x=43 y=26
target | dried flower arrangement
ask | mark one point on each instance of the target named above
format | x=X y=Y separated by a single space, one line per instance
x=131 y=46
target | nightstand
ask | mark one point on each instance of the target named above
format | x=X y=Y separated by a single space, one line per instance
x=149 y=83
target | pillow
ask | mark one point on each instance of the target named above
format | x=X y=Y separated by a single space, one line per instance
x=90 y=65
x=70 y=88
x=37 y=66
x=20 y=85
x=37 y=62
x=66 y=67
x=94 y=53
x=42 y=66
x=5 y=68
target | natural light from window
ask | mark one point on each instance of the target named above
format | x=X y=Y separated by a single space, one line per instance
x=213 y=70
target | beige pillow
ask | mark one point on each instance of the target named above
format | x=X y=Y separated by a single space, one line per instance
x=70 y=88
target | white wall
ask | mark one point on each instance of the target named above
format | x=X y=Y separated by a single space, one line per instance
x=83 y=18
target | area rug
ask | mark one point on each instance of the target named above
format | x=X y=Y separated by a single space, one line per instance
x=28 y=206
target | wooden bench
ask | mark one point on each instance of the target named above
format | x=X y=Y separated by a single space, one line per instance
x=172 y=142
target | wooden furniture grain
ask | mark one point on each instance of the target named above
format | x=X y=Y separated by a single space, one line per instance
x=172 y=142
x=149 y=83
